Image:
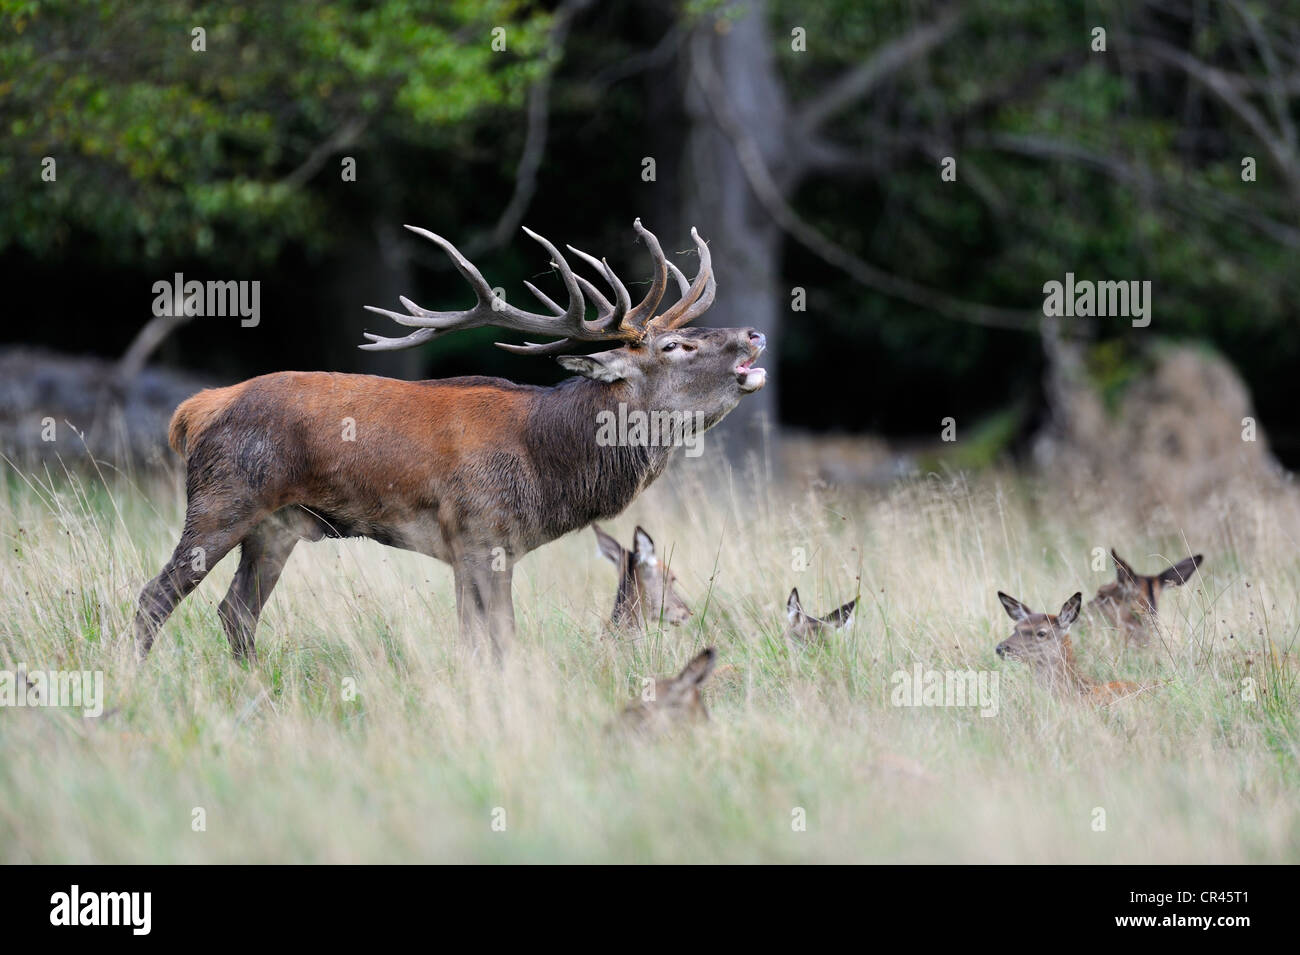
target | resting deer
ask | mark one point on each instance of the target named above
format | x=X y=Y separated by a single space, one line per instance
x=1129 y=603
x=1042 y=642
x=805 y=628
x=674 y=700
x=474 y=471
x=647 y=589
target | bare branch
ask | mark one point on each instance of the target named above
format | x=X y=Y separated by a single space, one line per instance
x=1221 y=86
x=774 y=203
x=887 y=60
x=342 y=138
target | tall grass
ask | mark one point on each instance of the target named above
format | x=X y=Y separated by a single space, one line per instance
x=440 y=757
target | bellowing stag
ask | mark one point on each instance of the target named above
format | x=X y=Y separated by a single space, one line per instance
x=474 y=471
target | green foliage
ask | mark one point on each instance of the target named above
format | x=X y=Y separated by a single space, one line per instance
x=162 y=149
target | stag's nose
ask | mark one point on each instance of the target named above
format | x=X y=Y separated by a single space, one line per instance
x=1001 y=650
x=757 y=339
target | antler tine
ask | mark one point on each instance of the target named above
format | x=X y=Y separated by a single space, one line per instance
x=700 y=292
x=610 y=316
x=380 y=343
x=645 y=309
x=603 y=305
x=576 y=313
x=701 y=305
x=533 y=348
x=683 y=283
x=544 y=298
x=482 y=291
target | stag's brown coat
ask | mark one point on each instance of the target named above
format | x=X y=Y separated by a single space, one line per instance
x=474 y=471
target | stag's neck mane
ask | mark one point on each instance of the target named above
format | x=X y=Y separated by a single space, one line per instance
x=590 y=480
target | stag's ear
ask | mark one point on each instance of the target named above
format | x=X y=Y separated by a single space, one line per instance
x=602 y=366
x=843 y=617
x=643 y=546
x=1181 y=572
x=698 y=670
x=609 y=548
x=1014 y=608
x=1069 y=612
x=1123 y=572
x=793 y=609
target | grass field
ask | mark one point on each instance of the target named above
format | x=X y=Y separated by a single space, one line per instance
x=439 y=758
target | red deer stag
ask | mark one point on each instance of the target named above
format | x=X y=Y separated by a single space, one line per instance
x=474 y=471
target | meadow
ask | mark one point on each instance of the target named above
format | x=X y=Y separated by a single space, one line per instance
x=365 y=733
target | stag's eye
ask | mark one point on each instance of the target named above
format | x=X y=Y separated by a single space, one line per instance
x=670 y=346
x=1042 y=633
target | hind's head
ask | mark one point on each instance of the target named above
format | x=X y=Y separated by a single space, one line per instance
x=647 y=587
x=1040 y=640
x=1130 y=600
x=676 y=700
x=804 y=627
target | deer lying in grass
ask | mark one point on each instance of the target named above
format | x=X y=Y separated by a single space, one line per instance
x=1129 y=603
x=803 y=627
x=474 y=471
x=647 y=588
x=1042 y=642
x=673 y=701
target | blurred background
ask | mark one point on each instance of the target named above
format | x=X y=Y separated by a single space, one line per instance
x=885 y=186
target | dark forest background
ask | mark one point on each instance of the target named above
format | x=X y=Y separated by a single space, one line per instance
x=804 y=140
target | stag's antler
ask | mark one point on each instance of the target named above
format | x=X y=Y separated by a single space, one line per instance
x=615 y=321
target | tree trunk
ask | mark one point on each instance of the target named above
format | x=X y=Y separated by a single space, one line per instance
x=716 y=197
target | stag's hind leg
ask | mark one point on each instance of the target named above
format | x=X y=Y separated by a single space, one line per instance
x=262 y=555
x=200 y=549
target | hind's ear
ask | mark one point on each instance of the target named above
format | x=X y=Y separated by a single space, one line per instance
x=1014 y=608
x=793 y=610
x=1069 y=612
x=1123 y=572
x=843 y=617
x=698 y=670
x=643 y=546
x=1181 y=572
x=607 y=547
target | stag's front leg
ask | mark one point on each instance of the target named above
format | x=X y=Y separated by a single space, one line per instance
x=484 y=604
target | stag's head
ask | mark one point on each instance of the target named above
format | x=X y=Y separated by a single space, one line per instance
x=647 y=587
x=659 y=364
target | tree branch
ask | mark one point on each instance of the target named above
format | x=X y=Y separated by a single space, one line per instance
x=1222 y=87
x=774 y=203
x=342 y=138
x=887 y=60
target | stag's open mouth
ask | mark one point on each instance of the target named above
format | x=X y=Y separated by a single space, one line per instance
x=749 y=378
